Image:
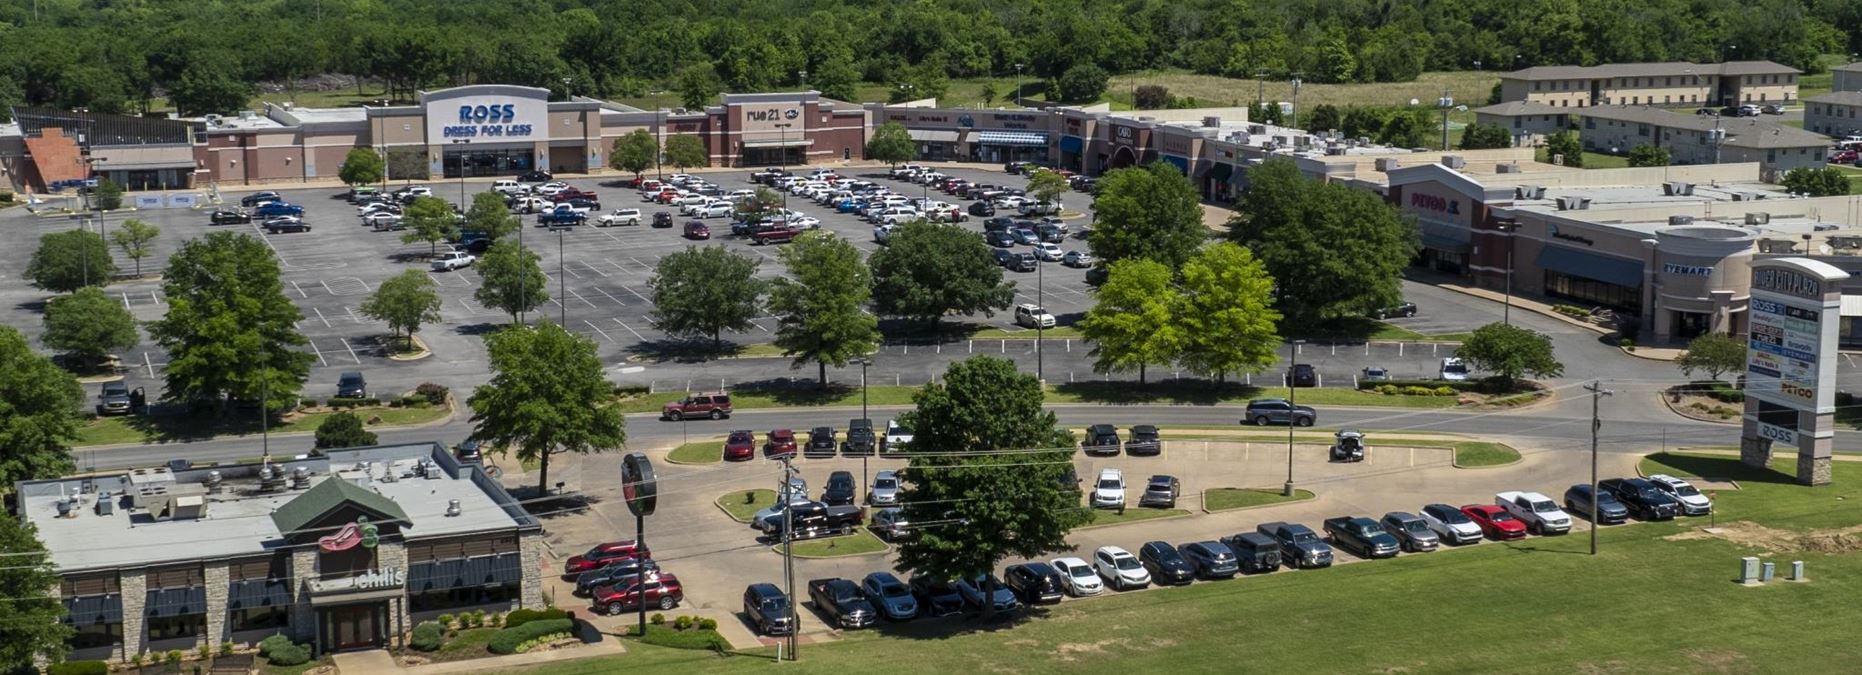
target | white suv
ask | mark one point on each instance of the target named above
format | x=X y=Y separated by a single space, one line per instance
x=1454 y=369
x=1693 y=503
x=619 y=217
x=1032 y=316
x=1109 y=491
x=1120 y=568
x=1077 y=576
x=1540 y=514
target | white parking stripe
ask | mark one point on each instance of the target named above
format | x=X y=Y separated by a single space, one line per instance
x=352 y=351
x=125 y=299
x=578 y=296
x=300 y=290
x=326 y=322
x=147 y=364
x=352 y=314
x=326 y=287
x=610 y=296
x=565 y=269
x=604 y=334
x=591 y=268
x=630 y=329
x=313 y=347
x=637 y=294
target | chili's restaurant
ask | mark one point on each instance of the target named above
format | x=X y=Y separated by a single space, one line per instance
x=342 y=552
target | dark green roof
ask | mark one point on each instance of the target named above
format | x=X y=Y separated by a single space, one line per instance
x=325 y=497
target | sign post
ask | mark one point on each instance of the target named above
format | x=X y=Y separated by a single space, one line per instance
x=1790 y=373
x=640 y=489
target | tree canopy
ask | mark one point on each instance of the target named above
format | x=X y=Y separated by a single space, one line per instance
x=88 y=325
x=133 y=238
x=69 y=260
x=230 y=332
x=1648 y=155
x=34 y=625
x=1510 y=352
x=1714 y=354
x=428 y=219
x=362 y=166
x=634 y=152
x=892 y=144
x=1132 y=323
x=38 y=414
x=1150 y=212
x=510 y=279
x=686 y=151
x=1225 y=313
x=1479 y=136
x=548 y=394
x=1565 y=143
x=929 y=270
x=343 y=430
x=705 y=290
x=820 y=307
x=404 y=302
x=489 y=215
x=1047 y=185
x=1083 y=83
x=1822 y=181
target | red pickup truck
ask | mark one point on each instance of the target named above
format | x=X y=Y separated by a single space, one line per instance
x=774 y=234
x=573 y=193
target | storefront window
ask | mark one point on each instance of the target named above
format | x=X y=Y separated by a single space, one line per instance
x=1560 y=285
x=258 y=618
x=504 y=162
x=93 y=635
x=462 y=597
x=183 y=626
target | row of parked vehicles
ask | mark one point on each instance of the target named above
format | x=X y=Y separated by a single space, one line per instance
x=618 y=576
x=1270 y=546
x=268 y=208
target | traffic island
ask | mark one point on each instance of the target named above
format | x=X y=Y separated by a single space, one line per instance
x=861 y=542
x=708 y=451
x=1112 y=517
x=1232 y=499
x=742 y=505
x=415 y=351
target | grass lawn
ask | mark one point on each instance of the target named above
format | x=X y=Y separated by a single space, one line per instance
x=860 y=542
x=673 y=638
x=266 y=668
x=698 y=452
x=1482 y=453
x=1055 y=333
x=1385 y=605
x=1593 y=160
x=1132 y=514
x=1224 y=499
x=743 y=504
x=1395 y=333
x=145 y=429
x=468 y=644
x=1853 y=174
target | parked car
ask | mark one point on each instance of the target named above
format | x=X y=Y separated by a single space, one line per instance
x=841 y=602
x=697 y=230
x=662 y=591
x=1772 y=109
x=810 y=520
x=1109 y=491
x=1642 y=498
x=1495 y=522
x=1080 y=578
x=1454 y=369
x=821 y=442
x=1748 y=110
x=1048 y=252
x=896 y=438
x=979 y=589
x=258 y=198
x=1411 y=531
x=1121 y=569
x=276 y=209
x=536 y=176
x=1254 y=552
x=1265 y=411
x=617 y=572
x=999 y=239
x=563 y=215
x=1101 y=439
x=1693 y=503
x=885 y=488
x=1144 y=441
x=936 y=597
x=286 y=224
x=1375 y=374
x=891 y=596
x=1609 y=510
x=351 y=384
x=1023 y=262
x=601 y=555
x=779 y=443
x=982 y=209
x=1299 y=546
x=453 y=260
x=1161 y=491
x=860 y=438
x=662 y=219
x=1363 y=537
x=1207 y=560
x=1304 y=375
x=1077 y=259
x=1403 y=309
x=116 y=398
x=740 y=446
x=621 y=217
x=1537 y=511
x=229 y=216
x=768 y=609
x=1033 y=316
x=839 y=490
x=715 y=405
x=1035 y=583
x=1450 y=524
x=1003 y=257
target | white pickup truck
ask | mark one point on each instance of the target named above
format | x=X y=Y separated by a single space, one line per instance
x=453 y=260
x=1539 y=512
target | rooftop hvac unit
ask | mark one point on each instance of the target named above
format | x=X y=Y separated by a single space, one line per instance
x=1680 y=220
x=1257 y=128
x=1334 y=149
x=106 y=504
x=1282 y=140
x=1387 y=164
x=271 y=478
x=152 y=476
x=1573 y=203
x=1212 y=121
x=452 y=508
x=1506 y=168
x=180 y=507
x=1454 y=162
x=1529 y=192
x=1302 y=141
x=1758 y=218
x=300 y=478
x=147 y=495
x=1677 y=188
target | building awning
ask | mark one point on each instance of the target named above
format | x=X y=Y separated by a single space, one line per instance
x=94 y=609
x=1240 y=179
x=1182 y=164
x=489 y=570
x=145 y=166
x=780 y=143
x=1852 y=305
x=1072 y=144
x=1010 y=138
x=933 y=135
x=258 y=593
x=1619 y=271
x=1441 y=237
x=177 y=601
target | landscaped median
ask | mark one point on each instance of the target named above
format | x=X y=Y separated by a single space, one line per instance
x=743 y=504
x=1229 y=499
x=637 y=400
x=861 y=542
x=708 y=451
x=157 y=429
x=1468 y=453
x=1110 y=517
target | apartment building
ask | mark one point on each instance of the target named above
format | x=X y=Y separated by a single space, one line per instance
x=1662 y=84
x=1697 y=139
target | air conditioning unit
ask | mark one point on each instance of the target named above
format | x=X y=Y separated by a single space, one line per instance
x=1573 y=203
x=1529 y=192
x=1758 y=218
x=1387 y=164
x=1680 y=220
x=1212 y=121
x=1454 y=162
x=1334 y=149
x=1257 y=128
x=1506 y=168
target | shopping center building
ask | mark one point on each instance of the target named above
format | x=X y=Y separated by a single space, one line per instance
x=341 y=552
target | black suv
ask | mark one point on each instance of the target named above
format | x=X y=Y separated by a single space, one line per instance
x=1304 y=375
x=1101 y=439
x=768 y=609
x=1265 y=411
x=1166 y=564
x=350 y=384
x=1000 y=239
x=1144 y=441
x=1034 y=582
x=1403 y=309
x=860 y=438
x=229 y=216
x=839 y=490
x=536 y=176
x=1023 y=262
x=1642 y=498
x=1211 y=560
x=1609 y=510
x=662 y=219
x=998 y=224
x=982 y=209
x=821 y=442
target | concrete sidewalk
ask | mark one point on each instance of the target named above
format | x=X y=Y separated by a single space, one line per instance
x=380 y=662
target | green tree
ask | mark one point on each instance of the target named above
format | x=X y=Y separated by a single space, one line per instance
x=35 y=627
x=1713 y=354
x=362 y=166
x=698 y=85
x=1047 y=185
x=686 y=151
x=989 y=94
x=930 y=270
x=510 y=279
x=87 y=325
x=1150 y=97
x=489 y=215
x=133 y=238
x=705 y=290
x=69 y=260
x=1822 y=181
x=1324 y=117
x=428 y=219
x=1225 y=313
x=1150 y=212
x=634 y=152
x=343 y=430
x=108 y=196
x=836 y=78
x=821 y=306
x=1335 y=251
x=1648 y=155
x=1565 y=143
x=1083 y=83
x=1479 y=136
x=404 y=302
x=990 y=473
x=212 y=86
x=549 y=394
x=1408 y=128
x=407 y=165
x=891 y=144
x=1509 y=352
x=230 y=332
x=764 y=202
x=1133 y=322
x=40 y=405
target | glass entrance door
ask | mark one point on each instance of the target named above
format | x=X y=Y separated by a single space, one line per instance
x=355 y=627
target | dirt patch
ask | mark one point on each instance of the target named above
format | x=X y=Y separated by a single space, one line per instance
x=1070 y=650
x=1719 y=660
x=1603 y=668
x=1845 y=540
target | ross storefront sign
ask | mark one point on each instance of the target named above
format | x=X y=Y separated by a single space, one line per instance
x=1418 y=200
x=384 y=578
x=496 y=120
x=486 y=118
x=1569 y=237
x=1787 y=282
x=1777 y=433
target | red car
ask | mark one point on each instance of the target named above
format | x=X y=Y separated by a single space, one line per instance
x=741 y=446
x=781 y=442
x=1495 y=522
x=1843 y=157
x=600 y=555
x=697 y=230
x=662 y=591
x=573 y=193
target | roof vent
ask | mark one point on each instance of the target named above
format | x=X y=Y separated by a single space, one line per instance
x=1257 y=128
x=1334 y=149
x=1212 y=121
x=1758 y=218
x=452 y=508
x=1573 y=203
x=213 y=480
x=1387 y=164
x=1680 y=220
x=66 y=507
x=271 y=478
x=1454 y=161
x=300 y=478
x=1506 y=168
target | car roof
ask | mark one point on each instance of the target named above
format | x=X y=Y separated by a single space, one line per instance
x=347 y=374
x=1103 y=429
x=1484 y=508
x=1144 y=428
x=1114 y=551
x=887 y=472
x=1162 y=478
x=1259 y=401
x=1111 y=472
x=1401 y=516
x=1070 y=561
x=818 y=430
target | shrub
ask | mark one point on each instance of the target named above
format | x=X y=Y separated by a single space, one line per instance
x=412 y=401
x=79 y=668
x=433 y=393
x=446 y=620
x=657 y=619
x=289 y=654
x=1418 y=391
x=1445 y=391
x=1627 y=343
x=1387 y=389
x=352 y=402
x=307 y=403
x=268 y=644
x=226 y=648
x=173 y=656
x=493 y=619
x=474 y=619
x=519 y=617
x=203 y=651
x=428 y=636
x=682 y=623
x=707 y=624
x=508 y=640
x=6 y=197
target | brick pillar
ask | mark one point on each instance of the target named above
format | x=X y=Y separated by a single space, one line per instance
x=393 y=554
x=303 y=617
x=218 y=588
x=135 y=588
x=1813 y=453
x=530 y=553
x=1754 y=450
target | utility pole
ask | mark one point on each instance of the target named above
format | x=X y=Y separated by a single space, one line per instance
x=788 y=553
x=562 y=281
x=1260 y=88
x=866 y=485
x=1293 y=120
x=1509 y=226
x=1446 y=102
x=1040 y=294
x=1292 y=411
x=1597 y=392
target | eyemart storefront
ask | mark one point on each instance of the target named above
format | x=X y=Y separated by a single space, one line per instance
x=490 y=130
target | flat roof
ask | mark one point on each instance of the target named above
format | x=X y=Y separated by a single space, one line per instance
x=1515 y=108
x=1649 y=69
x=238 y=520
x=1749 y=132
x=1838 y=97
x=325 y=115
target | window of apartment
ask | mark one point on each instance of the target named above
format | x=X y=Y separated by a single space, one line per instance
x=1642 y=130
x=1535 y=85
x=1516 y=124
x=1668 y=81
x=258 y=618
x=94 y=635
x=1771 y=156
x=1668 y=99
x=88 y=584
x=1762 y=96
x=1590 y=122
x=183 y=626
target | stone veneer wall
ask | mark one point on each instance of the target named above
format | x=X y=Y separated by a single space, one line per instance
x=393 y=554
x=135 y=589
x=219 y=592
x=530 y=550
x=303 y=617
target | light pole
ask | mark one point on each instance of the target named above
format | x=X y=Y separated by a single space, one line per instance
x=788 y=554
x=1597 y=392
x=1018 y=84
x=1040 y=321
x=782 y=128
x=867 y=495
x=1509 y=226
x=462 y=170
x=1445 y=103
x=1260 y=88
x=1293 y=352
x=562 y=280
x=1294 y=122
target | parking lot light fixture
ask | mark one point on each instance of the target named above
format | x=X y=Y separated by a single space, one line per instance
x=864 y=479
x=1293 y=352
x=462 y=170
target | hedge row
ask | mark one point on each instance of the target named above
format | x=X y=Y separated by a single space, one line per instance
x=1460 y=385
x=280 y=651
x=350 y=402
x=519 y=617
x=508 y=641
x=1394 y=390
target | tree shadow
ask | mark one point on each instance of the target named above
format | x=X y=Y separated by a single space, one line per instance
x=683 y=351
x=1178 y=392
x=965 y=623
x=915 y=330
x=1726 y=467
x=33 y=306
x=795 y=392
x=1342 y=329
x=478 y=329
x=173 y=423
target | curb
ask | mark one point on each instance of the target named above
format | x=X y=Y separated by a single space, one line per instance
x=719 y=502
x=669 y=460
x=1646 y=357
x=1600 y=330
x=1455 y=460
x=424 y=352
x=452 y=411
x=1296 y=499
x=1186 y=513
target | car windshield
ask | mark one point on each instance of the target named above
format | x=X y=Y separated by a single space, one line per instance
x=1451 y=517
x=1687 y=491
x=1160 y=486
x=1127 y=563
x=1082 y=572
x=775 y=604
x=893 y=590
x=1651 y=495
x=1415 y=526
x=1454 y=368
x=1501 y=516
x=1108 y=484
x=885 y=483
x=1543 y=507
x=1305 y=537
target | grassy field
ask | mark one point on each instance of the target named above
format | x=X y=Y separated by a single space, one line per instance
x=118 y=430
x=743 y=504
x=698 y=452
x=1395 y=333
x=467 y=644
x=1386 y=606
x=1481 y=453
x=860 y=542
x=1224 y=499
x=672 y=638
x=1133 y=514
x=1853 y=174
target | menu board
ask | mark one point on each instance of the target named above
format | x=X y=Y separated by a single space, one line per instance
x=1783 y=357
